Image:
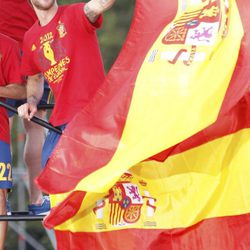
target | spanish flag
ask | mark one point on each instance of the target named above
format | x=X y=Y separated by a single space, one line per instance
x=195 y=198
x=158 y=159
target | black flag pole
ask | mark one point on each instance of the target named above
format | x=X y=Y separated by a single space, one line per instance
x=45 y=106
x=34 y=119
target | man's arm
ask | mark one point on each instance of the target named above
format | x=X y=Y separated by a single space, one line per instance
x=94 y=8
x=34 y=95
x=13 y=91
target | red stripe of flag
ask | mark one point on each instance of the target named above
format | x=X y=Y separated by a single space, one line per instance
x=224 y=233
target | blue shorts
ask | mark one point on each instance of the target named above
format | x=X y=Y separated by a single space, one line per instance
x=51 y=140
x=45 y=99
x=5 y=166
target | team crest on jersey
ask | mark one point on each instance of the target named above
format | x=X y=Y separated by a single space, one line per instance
x=61 y=29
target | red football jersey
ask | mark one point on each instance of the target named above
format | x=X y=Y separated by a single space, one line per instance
x=9 y=73
x=66 y=51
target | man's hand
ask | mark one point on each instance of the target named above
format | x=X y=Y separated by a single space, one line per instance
x=34 y=95
x=94 y=8
x=27 y=110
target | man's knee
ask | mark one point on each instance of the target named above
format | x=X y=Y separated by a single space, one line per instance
x=30 y=126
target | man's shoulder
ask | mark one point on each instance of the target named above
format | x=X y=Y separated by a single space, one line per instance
x=32 y=32
x=33 y=28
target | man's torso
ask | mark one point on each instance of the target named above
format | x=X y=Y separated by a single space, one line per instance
x=66 y=51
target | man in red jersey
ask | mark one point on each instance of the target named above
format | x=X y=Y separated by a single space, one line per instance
x=16 y=17
x=11 y=86
x=62 y=46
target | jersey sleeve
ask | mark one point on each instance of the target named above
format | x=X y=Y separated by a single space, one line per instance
x=12 y=64
x=78 y=12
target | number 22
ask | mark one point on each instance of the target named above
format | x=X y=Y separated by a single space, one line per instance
x=3 y=168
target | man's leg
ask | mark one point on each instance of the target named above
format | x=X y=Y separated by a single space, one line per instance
x=49 y=145
x=35 y=136
x=11 y=122
x=3 y=224
x=5 y=184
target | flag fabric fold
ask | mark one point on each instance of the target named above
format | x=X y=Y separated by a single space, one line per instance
x=197 y=198
x=114 y=125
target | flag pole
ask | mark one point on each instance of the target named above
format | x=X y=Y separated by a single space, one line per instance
x=34 y=119
x=45 y=106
